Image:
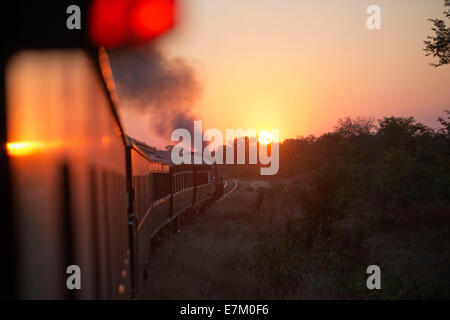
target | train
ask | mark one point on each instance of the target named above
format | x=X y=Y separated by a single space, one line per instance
x=77 y=191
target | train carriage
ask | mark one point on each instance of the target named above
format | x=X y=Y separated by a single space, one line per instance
x=78 y=192
x=149 y=208
x=182 y=187
x=67 y=158
x=204 y=183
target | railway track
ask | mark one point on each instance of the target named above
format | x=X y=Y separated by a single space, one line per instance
x=229 y=188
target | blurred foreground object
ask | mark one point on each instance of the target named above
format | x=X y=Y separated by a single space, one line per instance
x=63 y=163
x=113 y=23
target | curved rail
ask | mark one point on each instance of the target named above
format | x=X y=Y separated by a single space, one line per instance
x=228 y=193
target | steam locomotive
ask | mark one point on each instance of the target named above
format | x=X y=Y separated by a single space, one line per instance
x=76 y=190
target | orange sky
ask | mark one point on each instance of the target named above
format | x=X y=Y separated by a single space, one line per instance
x=299 y=66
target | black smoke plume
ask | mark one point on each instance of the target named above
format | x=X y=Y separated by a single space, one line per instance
x=165 y=89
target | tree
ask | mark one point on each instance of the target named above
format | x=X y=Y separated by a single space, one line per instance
x=439 y=45
x=354 y=127
x=400 y=132
x=445 y=130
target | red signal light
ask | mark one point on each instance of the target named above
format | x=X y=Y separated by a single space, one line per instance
x=151 y=18
x=113 y=23
x=108 y=22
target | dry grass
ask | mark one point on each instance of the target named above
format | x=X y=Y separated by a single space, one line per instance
x=218 y=256
x=212 y=258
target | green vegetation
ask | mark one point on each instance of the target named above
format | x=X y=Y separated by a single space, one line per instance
x=367 y=194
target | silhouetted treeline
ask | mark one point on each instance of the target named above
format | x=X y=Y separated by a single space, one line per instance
x=396 y=162
x=367 y=193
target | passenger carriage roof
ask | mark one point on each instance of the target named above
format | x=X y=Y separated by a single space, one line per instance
x=149 y=151
x=156 y=154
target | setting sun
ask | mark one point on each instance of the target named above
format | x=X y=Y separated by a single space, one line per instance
x=265 y=137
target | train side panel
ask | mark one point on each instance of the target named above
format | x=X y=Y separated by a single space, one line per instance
x=68 y=173
x=205 y=184
x=69 y=166
x=151 y=206
x=183 y=188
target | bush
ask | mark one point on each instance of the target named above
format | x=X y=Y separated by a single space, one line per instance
x=358 y=184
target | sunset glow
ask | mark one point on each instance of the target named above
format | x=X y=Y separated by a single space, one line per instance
x=302 y=66
x=265 y=137
x=195 y=150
